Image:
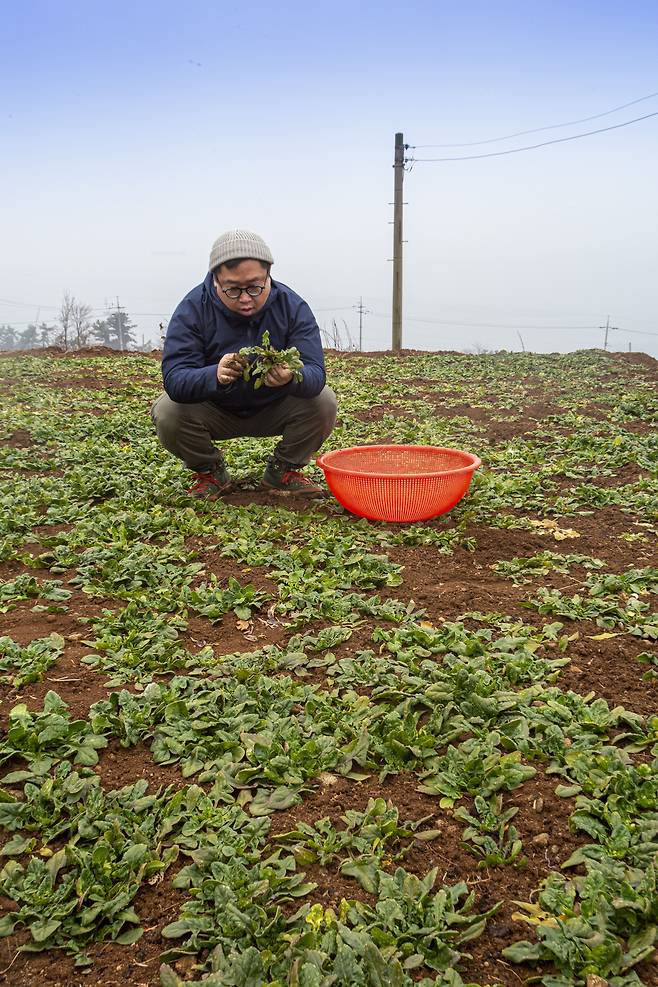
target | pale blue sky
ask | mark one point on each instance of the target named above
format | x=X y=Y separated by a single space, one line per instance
x=132 y=134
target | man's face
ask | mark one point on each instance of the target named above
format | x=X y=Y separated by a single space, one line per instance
x=246 y=274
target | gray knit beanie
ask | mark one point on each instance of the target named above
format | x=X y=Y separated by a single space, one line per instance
x=236 y=244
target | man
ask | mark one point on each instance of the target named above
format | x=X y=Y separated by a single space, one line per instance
x=206 y=398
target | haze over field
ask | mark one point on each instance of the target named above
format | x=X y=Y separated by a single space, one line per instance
x=134 y=133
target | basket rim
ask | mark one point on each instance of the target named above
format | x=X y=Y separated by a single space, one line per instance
x=328 y=466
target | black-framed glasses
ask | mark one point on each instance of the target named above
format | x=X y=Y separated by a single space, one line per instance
x=234 y=292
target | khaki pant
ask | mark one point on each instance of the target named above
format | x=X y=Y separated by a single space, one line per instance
x=189 y=430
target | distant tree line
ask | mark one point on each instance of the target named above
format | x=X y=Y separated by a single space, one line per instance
x=74 y=329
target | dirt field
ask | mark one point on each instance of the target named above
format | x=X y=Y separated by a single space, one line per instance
x=527 y=604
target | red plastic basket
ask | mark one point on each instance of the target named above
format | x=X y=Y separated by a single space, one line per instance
x=398 y=483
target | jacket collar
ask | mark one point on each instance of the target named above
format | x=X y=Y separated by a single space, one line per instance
x=234 y=317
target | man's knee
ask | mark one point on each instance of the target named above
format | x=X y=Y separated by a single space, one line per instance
x=325 y=408
x=167 y=414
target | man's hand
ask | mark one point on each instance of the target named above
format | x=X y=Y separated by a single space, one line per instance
x=230 y=367
x=278 y=376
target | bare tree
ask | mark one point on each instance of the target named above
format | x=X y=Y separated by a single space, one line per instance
x=81 y=322
x=337 y=338
x=66 y=318
x=478 y=349
x=327 y=341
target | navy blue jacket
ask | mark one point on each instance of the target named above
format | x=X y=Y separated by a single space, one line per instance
x=203 y=329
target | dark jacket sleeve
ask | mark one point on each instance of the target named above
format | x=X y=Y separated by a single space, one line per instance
x=305 y=335
x=186 y=377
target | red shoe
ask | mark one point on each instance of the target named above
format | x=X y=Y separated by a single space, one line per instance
x=208 y=486
x=287 y=478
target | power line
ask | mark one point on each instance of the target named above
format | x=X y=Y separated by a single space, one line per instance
x=334 y=308
x=495 y=325
x=537 y=130
x=97 y=308
x=532 y=147
x=94 y=308
x=635 y=332
x=110 y=308
x=9 y=301
x=501 y=325
x=481 y=325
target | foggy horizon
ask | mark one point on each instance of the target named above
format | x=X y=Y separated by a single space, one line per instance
x=132 y=138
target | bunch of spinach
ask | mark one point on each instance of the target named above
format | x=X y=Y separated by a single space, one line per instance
x=266 y=358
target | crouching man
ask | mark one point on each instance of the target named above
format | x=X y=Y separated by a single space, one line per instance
x=206 y=398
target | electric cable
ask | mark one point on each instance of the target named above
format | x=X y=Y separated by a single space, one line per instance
x=532 y=147
x=537 y=130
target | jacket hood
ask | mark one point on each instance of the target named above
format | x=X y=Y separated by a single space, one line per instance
x=234 y=317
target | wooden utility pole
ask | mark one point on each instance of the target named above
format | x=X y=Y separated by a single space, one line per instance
x=398 y=169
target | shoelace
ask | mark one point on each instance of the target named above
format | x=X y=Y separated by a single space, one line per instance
x=294 y=475
x=203 y=480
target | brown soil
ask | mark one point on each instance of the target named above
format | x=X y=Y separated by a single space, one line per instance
x=542 y=823
x=89 y=383
x=76 y=684
x=638 y=359
x=610 y=669
x=113 y=965
x=119 y=766
x=20 y=439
